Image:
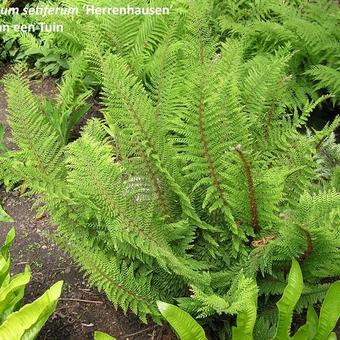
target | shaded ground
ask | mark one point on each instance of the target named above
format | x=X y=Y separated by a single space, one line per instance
x=82 y=309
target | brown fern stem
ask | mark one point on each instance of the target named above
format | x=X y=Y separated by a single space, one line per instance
x=157 y=187
x=202 y=128
x=251 y=189
x=160 y=85
x=204 y=142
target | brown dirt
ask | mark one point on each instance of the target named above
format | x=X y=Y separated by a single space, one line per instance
x=74 y=320
x=34 y=245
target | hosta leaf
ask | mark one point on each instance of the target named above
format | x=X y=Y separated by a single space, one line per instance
x=5 y=261
x=184 y=325
x=4 y=217
x=27 y=322
x=4 y=269
x=308 y=330
x=332 y=336
x=102 y=336
x=12 y=294
x=288 y=301
x=8 y=242
x=330 y=312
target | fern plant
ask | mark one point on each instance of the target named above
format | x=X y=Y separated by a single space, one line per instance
x=328 y=160
x=10 y=46
x=71 y=103
x=136 y=38
x=3 y=146
x=60 y=114
x=196 y=181
x=308 y=29
x=30 y=48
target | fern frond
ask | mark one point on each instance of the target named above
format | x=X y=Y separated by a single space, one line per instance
x=40 y=149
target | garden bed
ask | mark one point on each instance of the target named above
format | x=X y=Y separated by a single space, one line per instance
x=82 y=310
x=187 y=164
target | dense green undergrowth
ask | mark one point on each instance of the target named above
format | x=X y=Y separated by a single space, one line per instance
x=308 y=30
x=201 y=181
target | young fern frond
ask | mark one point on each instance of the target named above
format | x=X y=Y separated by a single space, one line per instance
x=40 y=149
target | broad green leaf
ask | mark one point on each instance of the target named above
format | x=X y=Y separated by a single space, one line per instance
x=50 y=68
x=5 y=261
x=12 y=294
x=4 y=217
x=26 y=323
x=75 y=117
x=245 y=322
x=63 y=63
x=184 y=325
x=330 y=312
x=288 y=301
x=332 y=336
x=308 y=330
x=51 y=58
x=5 y=265
x=7 y=244
x=33 y=51
x=102 y=336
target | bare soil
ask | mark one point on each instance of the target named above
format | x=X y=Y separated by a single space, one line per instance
x=82 y=309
